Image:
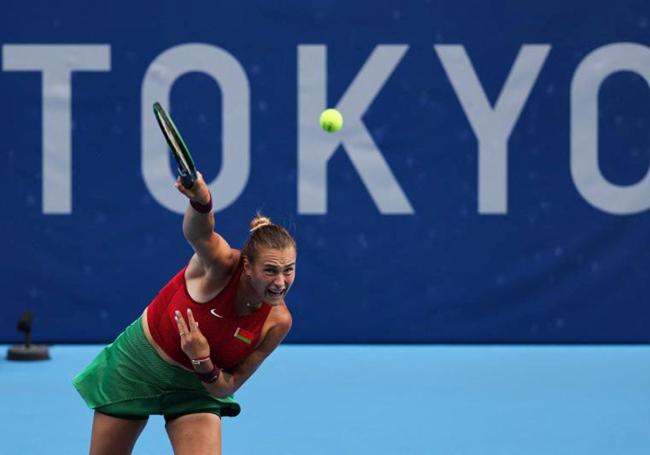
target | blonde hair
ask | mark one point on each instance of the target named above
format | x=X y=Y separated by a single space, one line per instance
x=265 y=234
x=259 y=221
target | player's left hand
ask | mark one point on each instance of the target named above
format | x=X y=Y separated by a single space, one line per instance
x=193 y=343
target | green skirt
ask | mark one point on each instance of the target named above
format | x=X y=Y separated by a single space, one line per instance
x=129 y=379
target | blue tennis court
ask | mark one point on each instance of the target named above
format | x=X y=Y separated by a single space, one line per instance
x=378 y=400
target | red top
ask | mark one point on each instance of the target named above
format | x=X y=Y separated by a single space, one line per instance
x=231 y=337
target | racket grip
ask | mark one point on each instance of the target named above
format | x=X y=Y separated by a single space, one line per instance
x=187 y=180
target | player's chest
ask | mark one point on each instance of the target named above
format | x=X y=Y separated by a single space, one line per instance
x=223 y=331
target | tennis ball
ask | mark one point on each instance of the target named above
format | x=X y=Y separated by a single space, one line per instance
x=331 y=120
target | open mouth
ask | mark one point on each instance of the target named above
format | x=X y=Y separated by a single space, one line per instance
x=275 y=293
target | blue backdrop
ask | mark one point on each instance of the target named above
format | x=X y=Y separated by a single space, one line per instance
x=490 y=183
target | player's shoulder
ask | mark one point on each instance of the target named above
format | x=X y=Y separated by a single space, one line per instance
x=226 y=266
x=234 y=259
x=282 y=318
x=279 y=323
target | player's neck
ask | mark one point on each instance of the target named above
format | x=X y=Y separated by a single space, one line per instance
x=245 y=301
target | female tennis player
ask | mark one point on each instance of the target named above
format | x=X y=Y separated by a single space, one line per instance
x=204 y=334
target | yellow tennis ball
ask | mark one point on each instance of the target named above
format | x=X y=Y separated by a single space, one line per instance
x=331 y=120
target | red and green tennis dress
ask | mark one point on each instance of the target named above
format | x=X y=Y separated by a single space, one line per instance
x=129 y=379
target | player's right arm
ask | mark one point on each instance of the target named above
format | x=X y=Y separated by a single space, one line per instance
x=212 y=251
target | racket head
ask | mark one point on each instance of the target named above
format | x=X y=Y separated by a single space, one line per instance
x=177 y=146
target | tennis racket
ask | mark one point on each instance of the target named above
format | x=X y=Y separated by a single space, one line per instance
x=180 y=152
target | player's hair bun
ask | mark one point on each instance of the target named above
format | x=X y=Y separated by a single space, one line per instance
x=259 y=221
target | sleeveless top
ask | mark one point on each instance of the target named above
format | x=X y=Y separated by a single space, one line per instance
x=231 y=337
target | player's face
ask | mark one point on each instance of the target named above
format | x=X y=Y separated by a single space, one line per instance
x=272 y=274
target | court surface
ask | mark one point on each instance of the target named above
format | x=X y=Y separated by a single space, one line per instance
x=377 y=400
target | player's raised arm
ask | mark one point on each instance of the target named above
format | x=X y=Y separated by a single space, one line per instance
x=198 y=226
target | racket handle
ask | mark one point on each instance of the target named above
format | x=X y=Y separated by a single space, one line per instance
x=187 y=180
